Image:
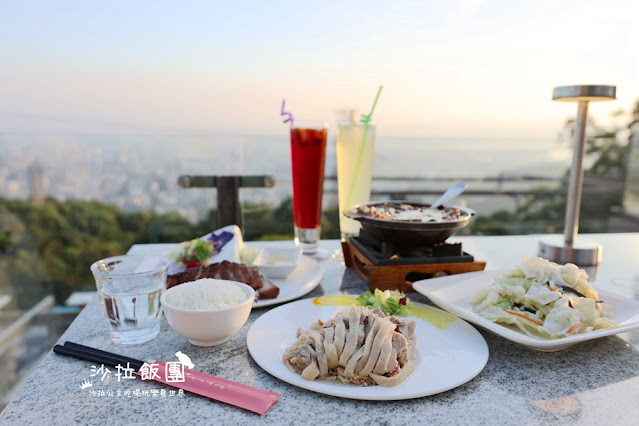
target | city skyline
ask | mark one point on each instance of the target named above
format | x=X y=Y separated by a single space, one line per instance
x=140 y=173
x=465 y=68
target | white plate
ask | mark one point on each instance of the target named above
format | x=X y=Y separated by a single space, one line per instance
x=302 y=280
x=454 y=294
x=446 y=358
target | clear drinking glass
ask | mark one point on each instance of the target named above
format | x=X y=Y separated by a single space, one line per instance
x=308 y=156
x=355 y=152
x=129 y=288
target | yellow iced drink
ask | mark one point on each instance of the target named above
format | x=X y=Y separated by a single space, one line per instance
x=355 y=150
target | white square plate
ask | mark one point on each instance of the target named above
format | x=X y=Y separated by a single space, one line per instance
x=455 y=293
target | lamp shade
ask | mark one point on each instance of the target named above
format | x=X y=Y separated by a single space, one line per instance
x=586 y=93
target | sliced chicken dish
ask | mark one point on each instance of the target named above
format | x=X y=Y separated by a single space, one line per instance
x=358 y=346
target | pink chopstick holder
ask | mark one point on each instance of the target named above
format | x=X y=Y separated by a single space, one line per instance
x=243 y=396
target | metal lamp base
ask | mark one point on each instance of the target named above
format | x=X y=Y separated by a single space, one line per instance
x=582 y=252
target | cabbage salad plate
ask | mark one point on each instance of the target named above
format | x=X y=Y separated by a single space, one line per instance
x=456 y=293
x=449 y=352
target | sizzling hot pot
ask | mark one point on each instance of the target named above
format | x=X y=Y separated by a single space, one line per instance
x=408 y=232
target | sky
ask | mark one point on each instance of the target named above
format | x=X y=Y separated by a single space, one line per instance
x=457 y=68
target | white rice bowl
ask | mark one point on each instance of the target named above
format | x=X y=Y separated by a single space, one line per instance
x=208 y=311
x=206 y=294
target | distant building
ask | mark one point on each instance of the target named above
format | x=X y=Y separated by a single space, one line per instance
x=36 y=183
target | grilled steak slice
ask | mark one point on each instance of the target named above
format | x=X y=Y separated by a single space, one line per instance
x=269 y=291
x=226 y=270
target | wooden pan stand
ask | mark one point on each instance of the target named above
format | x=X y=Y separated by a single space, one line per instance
x=400 y=276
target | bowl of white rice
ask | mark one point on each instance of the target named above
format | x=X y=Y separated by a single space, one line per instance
x=208 y=311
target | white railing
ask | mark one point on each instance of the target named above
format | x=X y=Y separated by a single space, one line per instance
x=15 y=349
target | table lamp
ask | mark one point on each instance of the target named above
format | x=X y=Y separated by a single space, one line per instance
x=582 y=252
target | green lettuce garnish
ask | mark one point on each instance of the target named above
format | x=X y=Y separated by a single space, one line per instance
x=194 y=253
x=391 y=302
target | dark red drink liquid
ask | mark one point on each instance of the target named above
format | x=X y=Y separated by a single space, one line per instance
x=308 y=155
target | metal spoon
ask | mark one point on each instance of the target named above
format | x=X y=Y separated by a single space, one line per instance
x=451 y=193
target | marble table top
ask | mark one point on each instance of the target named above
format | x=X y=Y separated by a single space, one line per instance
x=596 y=382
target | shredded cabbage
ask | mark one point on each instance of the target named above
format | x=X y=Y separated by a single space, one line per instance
x=248 y=255
x=544 y=299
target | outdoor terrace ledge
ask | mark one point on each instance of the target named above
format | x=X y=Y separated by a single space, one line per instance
x=592 y=383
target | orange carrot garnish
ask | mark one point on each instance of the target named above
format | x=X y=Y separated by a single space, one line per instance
x=523 y=316
x=576 y=326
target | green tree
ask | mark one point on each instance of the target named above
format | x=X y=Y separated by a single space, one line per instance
x=49 y=247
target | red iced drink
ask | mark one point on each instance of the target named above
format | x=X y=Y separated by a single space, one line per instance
x=308 y=155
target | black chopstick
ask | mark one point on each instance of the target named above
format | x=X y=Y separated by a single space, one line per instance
x=86 y=356
x=134 y=363
x=95 y=355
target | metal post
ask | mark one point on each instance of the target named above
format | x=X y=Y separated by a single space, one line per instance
x=228 y=201
x=582 y=252
x=573 y=204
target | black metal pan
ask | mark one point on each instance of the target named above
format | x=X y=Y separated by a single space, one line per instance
x=408 y=232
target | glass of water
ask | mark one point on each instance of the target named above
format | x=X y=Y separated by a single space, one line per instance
x=129 y=288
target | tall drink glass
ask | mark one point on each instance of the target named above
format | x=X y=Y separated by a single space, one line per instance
x=308 y=155
x=355 y=151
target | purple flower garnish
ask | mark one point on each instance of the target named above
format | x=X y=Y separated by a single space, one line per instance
x=220 y=240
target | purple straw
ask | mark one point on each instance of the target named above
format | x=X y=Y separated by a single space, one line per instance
x=288 y=114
